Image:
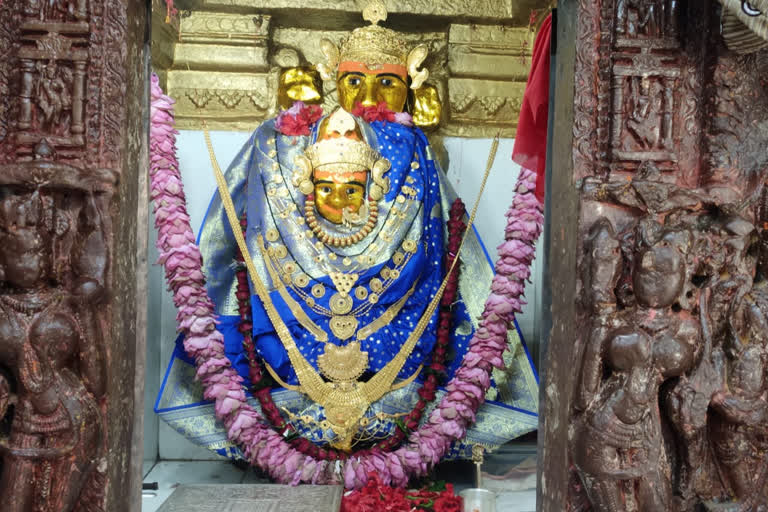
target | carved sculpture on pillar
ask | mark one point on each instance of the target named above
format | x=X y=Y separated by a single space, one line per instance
x=670 y=399
x=53 y=263
x=62 y=94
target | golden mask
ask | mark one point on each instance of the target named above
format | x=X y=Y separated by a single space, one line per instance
x=369 y=89
x=299 y=84
x=333 y=197
x=373 y=64
x=340 y=168
x=427 y=109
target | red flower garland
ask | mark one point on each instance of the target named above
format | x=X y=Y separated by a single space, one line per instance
x=262 y=386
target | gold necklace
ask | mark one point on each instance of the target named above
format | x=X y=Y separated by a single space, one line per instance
x=336 y=240
x=378 y=286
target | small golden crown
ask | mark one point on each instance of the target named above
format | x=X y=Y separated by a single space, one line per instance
x=343 y=154
x=375 y=46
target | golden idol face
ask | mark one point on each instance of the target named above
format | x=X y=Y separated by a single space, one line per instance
x=299 y=84
x=332 y=197
x=370 y=89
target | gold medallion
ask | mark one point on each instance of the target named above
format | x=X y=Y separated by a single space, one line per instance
x=376 y=284
x=361 y=293
x=280 y=251
x=398 y=258
x=272 y=235
x=410 y=246
x=343 y=364
x=373 y=298
x=343 y=327
x=318 y=290
x=301 y=280
x=340 y=304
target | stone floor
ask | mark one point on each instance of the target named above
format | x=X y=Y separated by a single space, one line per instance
x=510 y=473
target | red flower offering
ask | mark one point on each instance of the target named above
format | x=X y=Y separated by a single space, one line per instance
x=298 y=119
x=377 y=497
x=378 y=113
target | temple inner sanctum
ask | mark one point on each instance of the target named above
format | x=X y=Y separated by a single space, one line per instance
x=368 y=255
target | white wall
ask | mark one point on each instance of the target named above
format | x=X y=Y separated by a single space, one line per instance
x=467 y=160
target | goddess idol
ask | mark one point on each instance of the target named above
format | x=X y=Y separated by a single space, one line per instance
x=330 y=304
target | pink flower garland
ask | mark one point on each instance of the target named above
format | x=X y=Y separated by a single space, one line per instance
x=260 y=444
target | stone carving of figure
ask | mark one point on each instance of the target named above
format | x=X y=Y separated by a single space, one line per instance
x=50 y=346
x=53 y=93
x=739 y=421
x=646 y=97
x=640 y=17
x=637 y=342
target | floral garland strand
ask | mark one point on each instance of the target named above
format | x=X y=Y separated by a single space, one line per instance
x=427 y=392
x=260 y=444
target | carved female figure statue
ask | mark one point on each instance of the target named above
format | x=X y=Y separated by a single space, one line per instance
x=53 y=94
x=619 y=449
x=738 y=423
x=48 y=342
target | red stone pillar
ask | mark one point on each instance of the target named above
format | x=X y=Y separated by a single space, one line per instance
x=72 y=184
x=653 y=392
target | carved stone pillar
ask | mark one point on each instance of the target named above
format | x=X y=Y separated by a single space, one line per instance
x=655 y=225
x=72 y=164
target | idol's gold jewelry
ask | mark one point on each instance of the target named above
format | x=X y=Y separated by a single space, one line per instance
x=345 y=401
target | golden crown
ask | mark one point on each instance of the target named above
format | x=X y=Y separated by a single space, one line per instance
x=339 y=154
x=374 y=46
x=343 y=154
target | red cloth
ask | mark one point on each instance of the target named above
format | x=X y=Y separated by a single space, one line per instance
x=531 y=141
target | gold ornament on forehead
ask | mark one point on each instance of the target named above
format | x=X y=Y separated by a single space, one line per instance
x=376 y=48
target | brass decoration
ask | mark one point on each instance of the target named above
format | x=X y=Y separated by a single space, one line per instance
x=318 y=290
x=341 y=304
x=299 y=84
x=301 y=280
x=427 y=108
x=343 y=327
x=343 y=282
x=231 y=66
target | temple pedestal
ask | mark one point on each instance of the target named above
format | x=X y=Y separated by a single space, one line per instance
x=254 y=498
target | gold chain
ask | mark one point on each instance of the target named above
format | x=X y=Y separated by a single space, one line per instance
x=345 y=404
